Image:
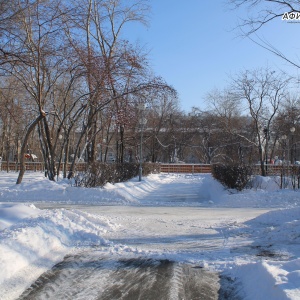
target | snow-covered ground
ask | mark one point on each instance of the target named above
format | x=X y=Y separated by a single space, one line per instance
x=254 y=234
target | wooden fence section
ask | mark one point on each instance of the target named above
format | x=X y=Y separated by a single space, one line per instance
x=36 y=166
x=271 y=170
x=185 y=168
x=165 y=168
x=30 y=166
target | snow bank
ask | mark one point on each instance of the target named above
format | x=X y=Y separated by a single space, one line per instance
x=269 y=280
x=277 y=234
x=211 y=189
x=34 y=240
x=36 y=188
x=265 y=192
x=13 y=213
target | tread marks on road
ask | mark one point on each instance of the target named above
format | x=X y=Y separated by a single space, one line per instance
x=92 y=275
x=198 y=283
x=176 y=286
x=139 y=279
x=65 y=278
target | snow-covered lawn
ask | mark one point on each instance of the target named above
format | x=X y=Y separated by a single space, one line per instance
x=264 y=220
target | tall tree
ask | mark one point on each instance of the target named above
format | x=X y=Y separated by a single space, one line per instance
x=162 y=104
x=33 y=52
x=111 y=63
x=262 y=92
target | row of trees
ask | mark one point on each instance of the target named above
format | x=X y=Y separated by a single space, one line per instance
x=66 y=70
x=248 y=122
x=72 y=89
x=283 y=121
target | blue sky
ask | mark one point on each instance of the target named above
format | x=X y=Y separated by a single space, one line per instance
x=193 y=45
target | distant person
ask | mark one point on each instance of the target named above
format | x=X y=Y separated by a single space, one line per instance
x=278 y=162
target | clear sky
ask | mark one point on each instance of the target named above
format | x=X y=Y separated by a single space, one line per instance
x=193 y=45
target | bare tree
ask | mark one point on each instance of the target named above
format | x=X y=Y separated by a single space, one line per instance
x=78 y=73
x=230 y=119
x=264 y=12
x=36 y=54
x=11 y=118
x=112 y=65
x=223 y=104
x=262 y=91
x=287 y=119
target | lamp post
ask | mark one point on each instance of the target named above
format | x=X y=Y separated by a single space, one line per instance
x=61 y=158
x=285 y=139
x=285 y=147
x=267 y=136
x=292 y=130
x=142 y=122
x=101 y=150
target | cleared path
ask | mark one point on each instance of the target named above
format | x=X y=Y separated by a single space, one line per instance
x=88 y=276
x=170 y=230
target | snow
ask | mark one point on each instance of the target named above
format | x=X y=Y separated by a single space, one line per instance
x=263 y=219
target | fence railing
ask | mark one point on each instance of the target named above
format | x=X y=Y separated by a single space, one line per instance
x=36 y=166
x=185 y=168
x=207 y=168
x=165 y=168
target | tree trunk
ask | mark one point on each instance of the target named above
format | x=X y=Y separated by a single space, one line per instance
x=51 y=155
x=66 y=157
x=24 y=144
x=72 y=167
x=122 y=144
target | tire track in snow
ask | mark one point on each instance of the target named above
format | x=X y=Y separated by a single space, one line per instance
x=92 y=275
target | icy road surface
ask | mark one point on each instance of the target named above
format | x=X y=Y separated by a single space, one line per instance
x=154 y=251
x=90 y=276
x=108 y=273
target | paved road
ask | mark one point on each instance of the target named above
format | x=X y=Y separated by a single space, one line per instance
x=174 y=229
x=90 y=276
x=162 y=230
x=186 y=231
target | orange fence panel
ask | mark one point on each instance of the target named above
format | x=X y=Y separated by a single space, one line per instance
x=185 y=168
x=272 y=170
